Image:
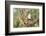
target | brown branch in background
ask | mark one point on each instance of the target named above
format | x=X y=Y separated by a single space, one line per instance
x=35 y=21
